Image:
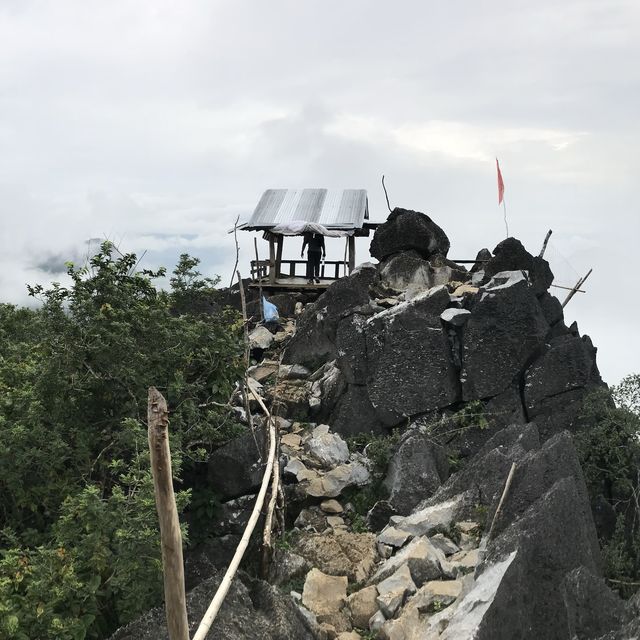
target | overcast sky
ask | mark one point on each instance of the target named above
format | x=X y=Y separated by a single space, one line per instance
x=154 y=123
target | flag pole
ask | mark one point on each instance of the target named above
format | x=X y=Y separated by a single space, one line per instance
x=504 y=206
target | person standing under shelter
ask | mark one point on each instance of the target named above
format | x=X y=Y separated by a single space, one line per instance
x=316 y=250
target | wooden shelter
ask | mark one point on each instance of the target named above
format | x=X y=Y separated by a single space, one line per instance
x=293 y=212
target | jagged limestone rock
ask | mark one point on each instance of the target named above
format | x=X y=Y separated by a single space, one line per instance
x=393 y=590
x=504 y=333
x=510 y=255
x=409 y=360
x=406 y=230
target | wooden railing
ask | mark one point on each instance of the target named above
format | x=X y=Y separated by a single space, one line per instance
x=329 y=269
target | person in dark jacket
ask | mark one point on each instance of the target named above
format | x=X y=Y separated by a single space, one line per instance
x=316 y=250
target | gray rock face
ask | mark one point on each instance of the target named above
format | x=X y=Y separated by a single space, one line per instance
x=411 y=370
x=568 y=364
x=352 y=348
x=407 y=230
x=505 y=331
x=416 y=470
x=592 y=608
x=537 y=473
x=510 y=255
x=252 y=610
x=314 y=340
x=551 y=307
x=235 y=469
x=550 y=539
x=407 y=269
x=355 y=414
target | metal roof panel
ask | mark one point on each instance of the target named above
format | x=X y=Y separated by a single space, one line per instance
x=341 y=209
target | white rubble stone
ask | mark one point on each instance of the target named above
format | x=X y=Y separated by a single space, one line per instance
x=470 y=610
x=393 y=590
x=429 y=519
x=393 y=536
x=260 y=338
x=425 y=562
x=332 y=483
x=326 y=448
x=440 y=541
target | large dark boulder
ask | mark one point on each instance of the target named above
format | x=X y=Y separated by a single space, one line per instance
x=505 y=332
x=355 y=414
x=482 y=478
x=314 y=341
x=551 y=538
x=236 y=469
x=536 y=474
x=592 y=608
x=252 y=610
x=569 y=363
x=405 y=230
x=510 y=255
x=417 y=468
x=410 y=365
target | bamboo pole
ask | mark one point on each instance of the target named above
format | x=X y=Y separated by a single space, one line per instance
x=544 y=244
x=503 y=497
x=223 y=589
x=576 y=288
x=170 y=535
x=255 y=246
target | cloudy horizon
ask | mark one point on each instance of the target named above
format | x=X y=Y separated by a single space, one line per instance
x=156 y=124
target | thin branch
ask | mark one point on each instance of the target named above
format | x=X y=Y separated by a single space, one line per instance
x=235 y=237
x=386 y=195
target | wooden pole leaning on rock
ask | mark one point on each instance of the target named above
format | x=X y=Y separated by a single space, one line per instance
x=223 y=589
x=507 y=486
x=576 y=288
x=170 y=535
x=544 y=244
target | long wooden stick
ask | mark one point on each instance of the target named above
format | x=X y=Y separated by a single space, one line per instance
x=544 y=244
x=255 y=246
x=576 y=288
x=223 y=589
x=170 y=535
x=507 y=485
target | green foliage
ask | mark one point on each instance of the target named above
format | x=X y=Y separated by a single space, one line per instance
x=609 y=450
x=377 y=448
x=81 y=546
x=472 y=415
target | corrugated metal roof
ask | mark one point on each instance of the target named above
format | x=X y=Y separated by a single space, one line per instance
x=332 y=208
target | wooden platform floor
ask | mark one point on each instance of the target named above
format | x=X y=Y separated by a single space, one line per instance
x=293 y=284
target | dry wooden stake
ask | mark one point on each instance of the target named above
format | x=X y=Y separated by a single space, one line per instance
x=170 y=535
x=576 y=288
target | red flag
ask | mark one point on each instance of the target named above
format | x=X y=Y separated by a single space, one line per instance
x=500 y=183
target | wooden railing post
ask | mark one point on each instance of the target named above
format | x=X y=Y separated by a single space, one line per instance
x=170 y=535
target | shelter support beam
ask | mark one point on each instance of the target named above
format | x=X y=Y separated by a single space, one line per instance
x=352 y=253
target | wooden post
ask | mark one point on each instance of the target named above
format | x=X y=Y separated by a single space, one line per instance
x=346 y=247
x=352 y=253
x=272 y=259
x=576 y=288
x=280 y=242
x=170 y=536
x=255 y=246
x=544 y=244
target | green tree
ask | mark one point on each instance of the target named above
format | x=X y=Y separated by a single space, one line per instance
x=609 y=449
x=80 y=541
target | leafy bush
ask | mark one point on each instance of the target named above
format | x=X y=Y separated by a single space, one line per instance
x=609 y=450
x=81 y=546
